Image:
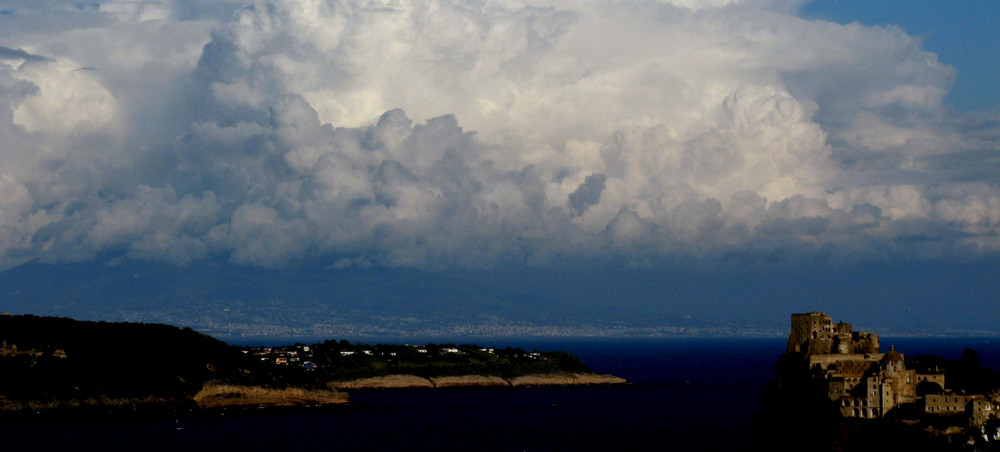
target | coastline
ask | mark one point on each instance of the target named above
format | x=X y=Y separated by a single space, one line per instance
x=58 y=364
x=215 y=395
x=228 y=396
x=413 y=381
x=218 y=395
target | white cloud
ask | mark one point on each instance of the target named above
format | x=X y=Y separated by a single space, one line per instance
x=448 y=133
x=68 y=100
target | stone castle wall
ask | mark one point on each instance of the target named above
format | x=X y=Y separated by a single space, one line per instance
x=863 y=381
x=814 y=333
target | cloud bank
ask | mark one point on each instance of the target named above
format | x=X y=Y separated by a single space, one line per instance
x=452 y=133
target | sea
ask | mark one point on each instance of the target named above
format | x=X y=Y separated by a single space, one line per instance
x=690 y=394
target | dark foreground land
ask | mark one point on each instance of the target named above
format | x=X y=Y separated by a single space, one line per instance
x=64 y=365
x=797 y=413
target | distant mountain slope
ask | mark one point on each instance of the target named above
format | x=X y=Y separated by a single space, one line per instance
x=221 y=299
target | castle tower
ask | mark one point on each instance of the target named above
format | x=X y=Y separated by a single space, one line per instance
x=844 y=337
x=809 y=326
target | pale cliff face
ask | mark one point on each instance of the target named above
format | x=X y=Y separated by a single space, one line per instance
x=218 y=396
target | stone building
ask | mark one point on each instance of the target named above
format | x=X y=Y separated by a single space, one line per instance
x=863 y=381
x=884 y=385
x=977 y=407
x=814 y=333
x=945 y=404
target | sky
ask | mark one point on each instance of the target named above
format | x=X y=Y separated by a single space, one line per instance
x=964 y=35
x=731 y=160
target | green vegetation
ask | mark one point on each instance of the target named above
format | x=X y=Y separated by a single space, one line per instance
x=49 y=363
x=332 y=360
x=57 y=363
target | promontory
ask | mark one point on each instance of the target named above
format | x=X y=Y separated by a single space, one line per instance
x=60 y=364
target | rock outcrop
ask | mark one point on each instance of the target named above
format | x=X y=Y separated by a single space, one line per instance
x=565 y=378
x=388 y=381
x=413 y=381
x=224 y=396
x=469 y=380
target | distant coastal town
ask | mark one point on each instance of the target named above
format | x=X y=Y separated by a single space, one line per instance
x=499 y=329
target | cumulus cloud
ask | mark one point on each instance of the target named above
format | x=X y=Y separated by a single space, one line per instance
x=442 y=133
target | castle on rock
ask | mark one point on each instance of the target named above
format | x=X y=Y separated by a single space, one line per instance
x=865 y=382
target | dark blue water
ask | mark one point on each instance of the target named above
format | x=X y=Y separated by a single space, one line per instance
x=693 y=394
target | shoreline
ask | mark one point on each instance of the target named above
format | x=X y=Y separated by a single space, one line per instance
x=230 y=396
x=458 y=381
x=218 y=396
x=213 y=396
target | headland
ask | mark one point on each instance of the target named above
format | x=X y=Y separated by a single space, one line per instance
x=62 y=365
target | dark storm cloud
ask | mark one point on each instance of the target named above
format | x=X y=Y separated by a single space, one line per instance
x=587 y=194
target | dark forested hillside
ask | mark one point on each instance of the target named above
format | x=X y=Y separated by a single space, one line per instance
x=65 y=362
